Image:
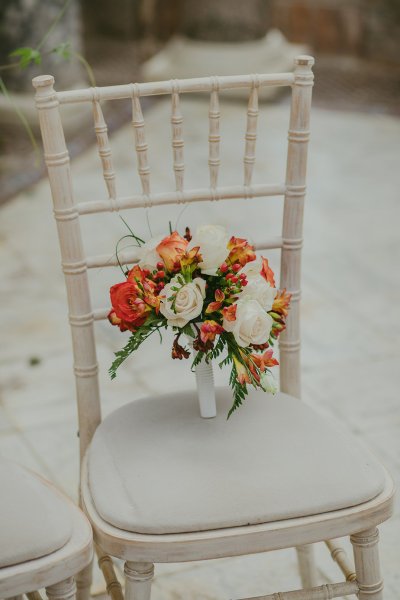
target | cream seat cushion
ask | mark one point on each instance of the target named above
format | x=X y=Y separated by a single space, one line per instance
x=34 y=519
x=156 y=467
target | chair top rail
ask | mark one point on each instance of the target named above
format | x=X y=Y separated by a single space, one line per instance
x=186 y=196
x=157 y=88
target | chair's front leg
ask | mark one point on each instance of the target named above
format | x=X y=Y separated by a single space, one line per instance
x=366 y=559
x=65 y=590
x=138 y=579
x=83 y=582
x=307 y=567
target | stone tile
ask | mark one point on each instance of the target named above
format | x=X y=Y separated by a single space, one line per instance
x=6 y=424
x=14 y=446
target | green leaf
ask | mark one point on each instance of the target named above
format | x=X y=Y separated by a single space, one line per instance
x=63 y=50
x=197 y=359
x=137 y=338
x=187 y=330
x=27 y=56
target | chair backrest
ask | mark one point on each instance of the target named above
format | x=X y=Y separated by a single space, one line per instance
x=68 y=213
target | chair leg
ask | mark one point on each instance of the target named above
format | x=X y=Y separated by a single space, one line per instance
x=307 y=567
x=83 y=582
x=65 y=590
x=138 y=578
x=366 y=559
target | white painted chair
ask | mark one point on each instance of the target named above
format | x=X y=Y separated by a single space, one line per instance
x=159 y=484
x=45 y=540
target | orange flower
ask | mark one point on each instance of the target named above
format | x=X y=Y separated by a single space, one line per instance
x=219 y=295
x=240 y=251
x=129 y=310
x=258 y=363
x=214 y=306
x=267 y=272
x=171 y=250
x=209 y=330
x=263 y=361
x=191 y=257
x=145 y=288
x=241 y=370
x=230 y=312
x=281 y=303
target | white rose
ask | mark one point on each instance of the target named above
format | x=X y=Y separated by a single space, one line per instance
x=148 y=256
x=252 y=324
x=213 y=240
x=259 y=289
x=185 y=304
x=252 y=268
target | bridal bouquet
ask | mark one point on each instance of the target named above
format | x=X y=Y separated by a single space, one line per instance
x=210 y=290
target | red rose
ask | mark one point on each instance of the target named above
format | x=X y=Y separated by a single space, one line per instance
x=128 y=306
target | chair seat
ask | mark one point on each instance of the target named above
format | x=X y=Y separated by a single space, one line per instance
x=34 y=519
x=156 y=467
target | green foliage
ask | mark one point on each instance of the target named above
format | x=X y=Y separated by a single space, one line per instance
x=197 y=360
x=218 y=348
x=239 y=391
x=27 y=56
x=135 y=341
x=188 y=330
x=63 y=50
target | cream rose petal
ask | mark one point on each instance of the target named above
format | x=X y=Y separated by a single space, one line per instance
x=188 y=301
x=148 y=255
x=252 y=325
x=213 y=240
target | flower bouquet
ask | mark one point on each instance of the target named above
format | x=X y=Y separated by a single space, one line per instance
x=213 y=291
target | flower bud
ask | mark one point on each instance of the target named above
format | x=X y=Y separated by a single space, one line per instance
x=223 y=268
x=236 y=267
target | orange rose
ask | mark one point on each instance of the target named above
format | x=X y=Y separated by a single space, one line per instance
x=114 y=320
x=171 y=249
x=127 y=306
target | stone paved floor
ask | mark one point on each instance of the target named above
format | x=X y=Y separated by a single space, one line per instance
x=351 y=293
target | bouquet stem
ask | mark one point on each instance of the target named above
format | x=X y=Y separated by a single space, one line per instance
x=205 y=389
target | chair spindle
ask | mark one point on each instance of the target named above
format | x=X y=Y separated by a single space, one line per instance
x=251 y=132
x=103 y=145
x=140 y=141
x=214 y=135
x=177 y=137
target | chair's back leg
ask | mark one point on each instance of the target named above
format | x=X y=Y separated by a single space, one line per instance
x=307 y=566
x=138 y=579
x=366 y=559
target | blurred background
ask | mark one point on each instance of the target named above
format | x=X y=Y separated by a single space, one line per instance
x=356 y=44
